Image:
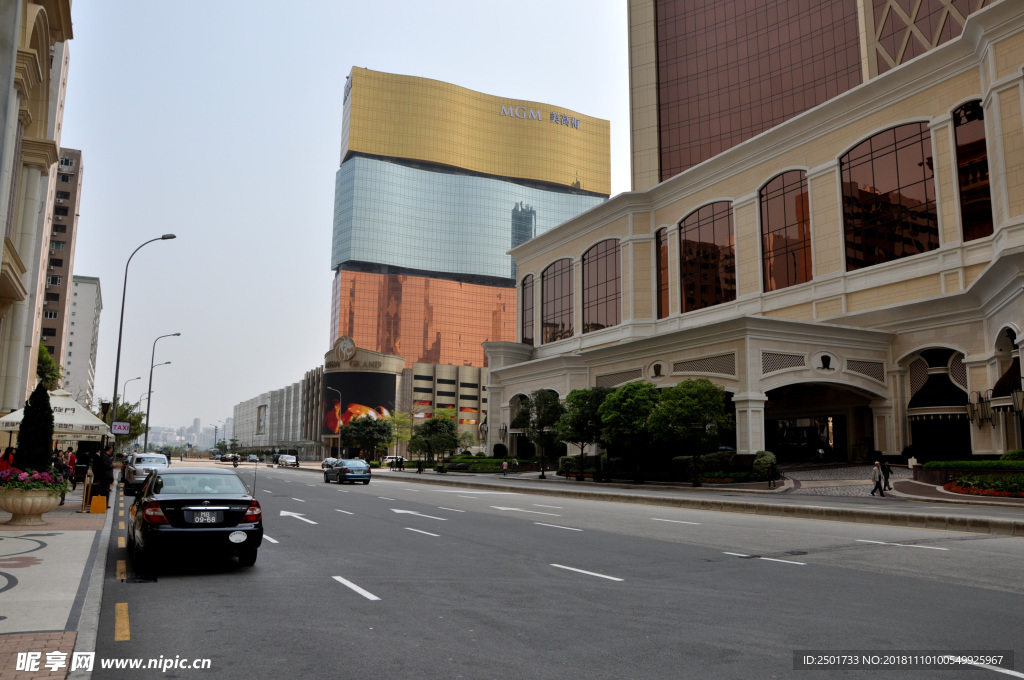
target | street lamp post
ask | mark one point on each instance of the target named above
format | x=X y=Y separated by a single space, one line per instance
x=124 y=392
x=152 y=358
x=149 y=405
x=120 y=327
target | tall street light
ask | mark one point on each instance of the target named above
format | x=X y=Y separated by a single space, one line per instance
x=149 y=404
x=120 y=327
x=124 y=392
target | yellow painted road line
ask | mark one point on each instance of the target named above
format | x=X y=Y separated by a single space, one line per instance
x=122 y=633
x=120 y=541
x=120 y=513
x=122 y=570
x=120 y=526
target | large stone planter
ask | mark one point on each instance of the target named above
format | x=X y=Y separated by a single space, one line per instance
x=27 y=506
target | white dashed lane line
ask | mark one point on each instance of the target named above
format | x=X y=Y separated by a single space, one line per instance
x=901 y=545
x=449 y=509
x=555 y=526
x=346 y=512
x=365 y=593
x=769 y=559
x=588 y=573
x=674 y=521
x=385 y=499
x=268 y=538
x=553 y=507
x=423 y=532
x=299 y=500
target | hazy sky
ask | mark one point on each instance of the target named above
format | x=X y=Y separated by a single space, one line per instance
x=220 y=122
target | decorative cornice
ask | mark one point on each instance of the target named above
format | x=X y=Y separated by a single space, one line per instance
x=28 y=72
x=12 y=269
x=42 y=153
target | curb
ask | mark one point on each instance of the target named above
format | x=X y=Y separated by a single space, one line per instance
x=978 y=525
x=89 y=619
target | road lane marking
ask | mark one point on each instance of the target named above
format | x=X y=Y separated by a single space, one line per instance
x=296 y=515
x=311 y=485
x=553 y=507
x=120 y=526
x=385 y=499
x=588 y=573
x=674 y=521
x=122 y=632
x=472 y=498
x=122 y=570
x=477 y=493
x=532 y=512
x=120 y=541
x=997 y=669
x=772 y=559
x=266 y=491
x=901 y=545
x=423 y=532
x=411 y=512
x=346 y=512
x=451 y=509
x=365 y=593
x=268 y=538
x=120 y=513
x=299 y=500
x=735 y=554
x=555 y=526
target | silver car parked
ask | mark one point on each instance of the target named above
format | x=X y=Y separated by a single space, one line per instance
x=138 y=468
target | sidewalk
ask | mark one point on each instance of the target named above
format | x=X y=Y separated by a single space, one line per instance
x=50 y=588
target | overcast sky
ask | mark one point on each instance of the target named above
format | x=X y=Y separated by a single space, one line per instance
x=220 y=122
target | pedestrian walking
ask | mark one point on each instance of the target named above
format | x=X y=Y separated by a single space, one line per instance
x=504 y=468
x=773 y=474
x=877 y=478
x=886 y=471
x=419 y=466
x=72 y=463
x=515 y=465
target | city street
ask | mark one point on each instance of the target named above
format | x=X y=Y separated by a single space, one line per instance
x=404 y=580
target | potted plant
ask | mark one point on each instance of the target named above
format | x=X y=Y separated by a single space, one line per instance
x=31 y=487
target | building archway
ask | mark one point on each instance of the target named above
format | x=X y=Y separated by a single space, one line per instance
x=819 y=422
x=939 y=427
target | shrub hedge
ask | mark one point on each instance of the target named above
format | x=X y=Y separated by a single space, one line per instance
x=975 y=465
x=1011 y=486
x=1013 y=455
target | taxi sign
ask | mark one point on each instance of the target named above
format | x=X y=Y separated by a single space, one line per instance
x=120 y=428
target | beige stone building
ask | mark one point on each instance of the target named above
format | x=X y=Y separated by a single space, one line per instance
x=853 y=277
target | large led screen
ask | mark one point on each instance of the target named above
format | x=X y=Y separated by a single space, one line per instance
x=348 y=396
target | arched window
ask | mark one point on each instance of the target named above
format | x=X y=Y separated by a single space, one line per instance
x=601 y=286
x=972 y=171
x=527 y=321
x=889 y=197
x=707 y=257
x=785 y=231
x=661 y=239
x=556 y=301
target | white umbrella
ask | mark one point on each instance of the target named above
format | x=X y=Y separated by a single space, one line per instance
x=71 y=420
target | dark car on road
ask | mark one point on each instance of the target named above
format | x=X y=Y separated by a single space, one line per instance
x=253 y=458
x=328 y=462
x=349 y=470
x=193 y=512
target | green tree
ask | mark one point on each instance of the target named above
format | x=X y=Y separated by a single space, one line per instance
x=35 y=435
x=126 y=413
x=233 y=444
x=372 y=434
x=222 y=446
x=690 y=416
x=402 y=426
x=47 y=370
x=538 y=415
x=581 y=423
x=626 y=413
x=436 y=437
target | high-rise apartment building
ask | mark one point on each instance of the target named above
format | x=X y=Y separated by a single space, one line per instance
x=436 y=183
x=83 y=334
x=706 y=75
x=57 y=302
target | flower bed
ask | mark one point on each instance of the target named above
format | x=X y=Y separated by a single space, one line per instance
x=13 y=478
x=1007 y=486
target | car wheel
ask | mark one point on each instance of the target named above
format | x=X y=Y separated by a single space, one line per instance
x=143 y=565
x=247 y=558
x=366 y=481
x=326 y=481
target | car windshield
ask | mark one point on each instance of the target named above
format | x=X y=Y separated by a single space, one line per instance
x=150 y=460
x=199 y=483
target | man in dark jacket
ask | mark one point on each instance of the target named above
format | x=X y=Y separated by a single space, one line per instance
x=103 y=473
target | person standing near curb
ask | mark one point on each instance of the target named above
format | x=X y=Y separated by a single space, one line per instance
x=504 y=468
x=886 y=471
x=876 y=477
x=773 y=474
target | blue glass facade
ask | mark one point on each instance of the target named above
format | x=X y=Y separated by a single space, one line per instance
x=452 y=225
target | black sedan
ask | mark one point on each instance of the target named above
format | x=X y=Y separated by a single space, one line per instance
x=194 y=511
x=349 y=470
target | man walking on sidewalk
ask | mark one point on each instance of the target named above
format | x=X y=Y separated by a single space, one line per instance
x=876 y=477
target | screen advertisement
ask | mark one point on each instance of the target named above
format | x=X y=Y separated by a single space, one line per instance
x=261 y=419
x=348 y=396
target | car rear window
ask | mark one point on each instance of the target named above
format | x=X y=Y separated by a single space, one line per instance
x=150 y=460
x=354 y=462
x=199 y=484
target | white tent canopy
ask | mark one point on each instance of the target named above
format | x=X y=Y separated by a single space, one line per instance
x=71 y=420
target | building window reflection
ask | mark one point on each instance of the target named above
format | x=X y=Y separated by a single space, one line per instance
x=707 y=257
x=601 y=286
x=972 y=171
x=785 y=231
x=556 y=301
x=662 y=272
x=527 y=320
x=889 y=207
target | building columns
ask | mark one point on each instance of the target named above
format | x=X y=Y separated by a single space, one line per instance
x=749 y=423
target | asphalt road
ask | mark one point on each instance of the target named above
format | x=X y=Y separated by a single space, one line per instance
x=402 y=580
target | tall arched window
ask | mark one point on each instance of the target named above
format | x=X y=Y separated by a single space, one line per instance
x=785 y=231
x=889 y=197
x=527 y=320
x=661 y=241
x=556 y=301
x=601 y=286
x=707 y=257
x=972 y=171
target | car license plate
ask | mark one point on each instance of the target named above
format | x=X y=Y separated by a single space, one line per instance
x=204 y=517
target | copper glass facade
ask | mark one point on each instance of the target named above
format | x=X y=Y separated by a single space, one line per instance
x=731 y=69
x=972 y=171
x=707 y=257
x=889 y=207
x=423 y=319
x=662 y=272
x=527 y=320
x=556 y=301
x=785 y=231
x=601 y=286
